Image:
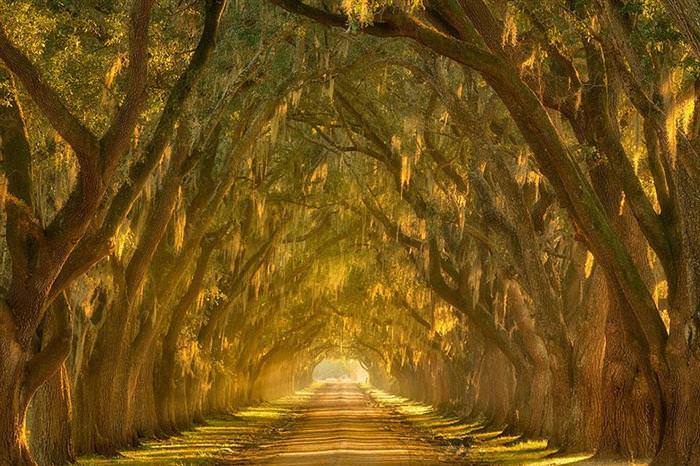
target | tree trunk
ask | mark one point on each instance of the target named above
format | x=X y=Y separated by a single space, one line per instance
x=21 y=374
x=146 y=423
x=50 y=411
x=102 y=400
x=495 y=387
x=589 y=352
x=680 y=444
x=49 y=422
x=102 y=413
x=166 y=385
x=680 y=441
x=13 y=361
x=630 y=425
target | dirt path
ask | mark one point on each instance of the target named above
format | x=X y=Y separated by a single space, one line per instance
x=342 y=425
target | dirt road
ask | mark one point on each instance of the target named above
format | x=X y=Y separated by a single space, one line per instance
x=342 y=425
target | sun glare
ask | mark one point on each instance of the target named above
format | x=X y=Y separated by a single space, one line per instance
x=338 y=369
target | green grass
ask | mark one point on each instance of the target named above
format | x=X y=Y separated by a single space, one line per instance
x=476 y=444
x=242 y=430
x=206 y=444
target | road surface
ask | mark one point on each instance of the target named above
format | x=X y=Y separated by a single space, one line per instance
x=342 y=425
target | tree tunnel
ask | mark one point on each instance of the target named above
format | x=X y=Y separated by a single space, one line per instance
x=488 y=206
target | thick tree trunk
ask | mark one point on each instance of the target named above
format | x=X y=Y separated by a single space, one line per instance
x=197 y=387
x=50 y=411
x=168 y=380
x=217 y=400
x=680 y=441
x=680 y=444
x=20 y=377
x=166 y=388
x=49 y=422
x=589 y=353
x=495 y=387
x=532 y=408
x=630 y=425
x=102 y=411
x=563 y=435
x=146 y=423
x=183 y=416
x=13 y=447
x=680 y=438
x=532 y=413
x=102 y=401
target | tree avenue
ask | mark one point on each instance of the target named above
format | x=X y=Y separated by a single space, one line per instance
x=491 y=205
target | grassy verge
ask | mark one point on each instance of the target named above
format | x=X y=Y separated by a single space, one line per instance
x=205 y=445
x=477 y=444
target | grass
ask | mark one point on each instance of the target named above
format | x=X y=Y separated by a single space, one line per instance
x=222 y=436
x=206 y=444
x=476 y=444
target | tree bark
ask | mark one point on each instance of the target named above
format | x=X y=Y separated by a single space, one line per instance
x=680 y=438
x=50 y=418
x=630 y=424
x=49 y=422
x=13 y=362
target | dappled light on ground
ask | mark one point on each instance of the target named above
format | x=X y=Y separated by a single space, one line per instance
x=344 y=423
x=470 y=442
x=220 y=436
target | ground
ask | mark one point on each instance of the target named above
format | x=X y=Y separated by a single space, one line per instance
x=342 y=423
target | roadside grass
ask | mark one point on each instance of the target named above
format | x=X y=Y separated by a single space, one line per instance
x=205 y=445
x=475 y=443
x=225 y=436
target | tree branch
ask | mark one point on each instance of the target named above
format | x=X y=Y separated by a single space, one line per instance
x=46 y=362
x=71 y=129
x=116 y=139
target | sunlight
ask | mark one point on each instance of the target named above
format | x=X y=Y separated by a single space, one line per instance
x=356 y=230
x=340 y=369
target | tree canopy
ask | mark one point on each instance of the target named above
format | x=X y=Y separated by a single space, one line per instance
x=490 y=205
